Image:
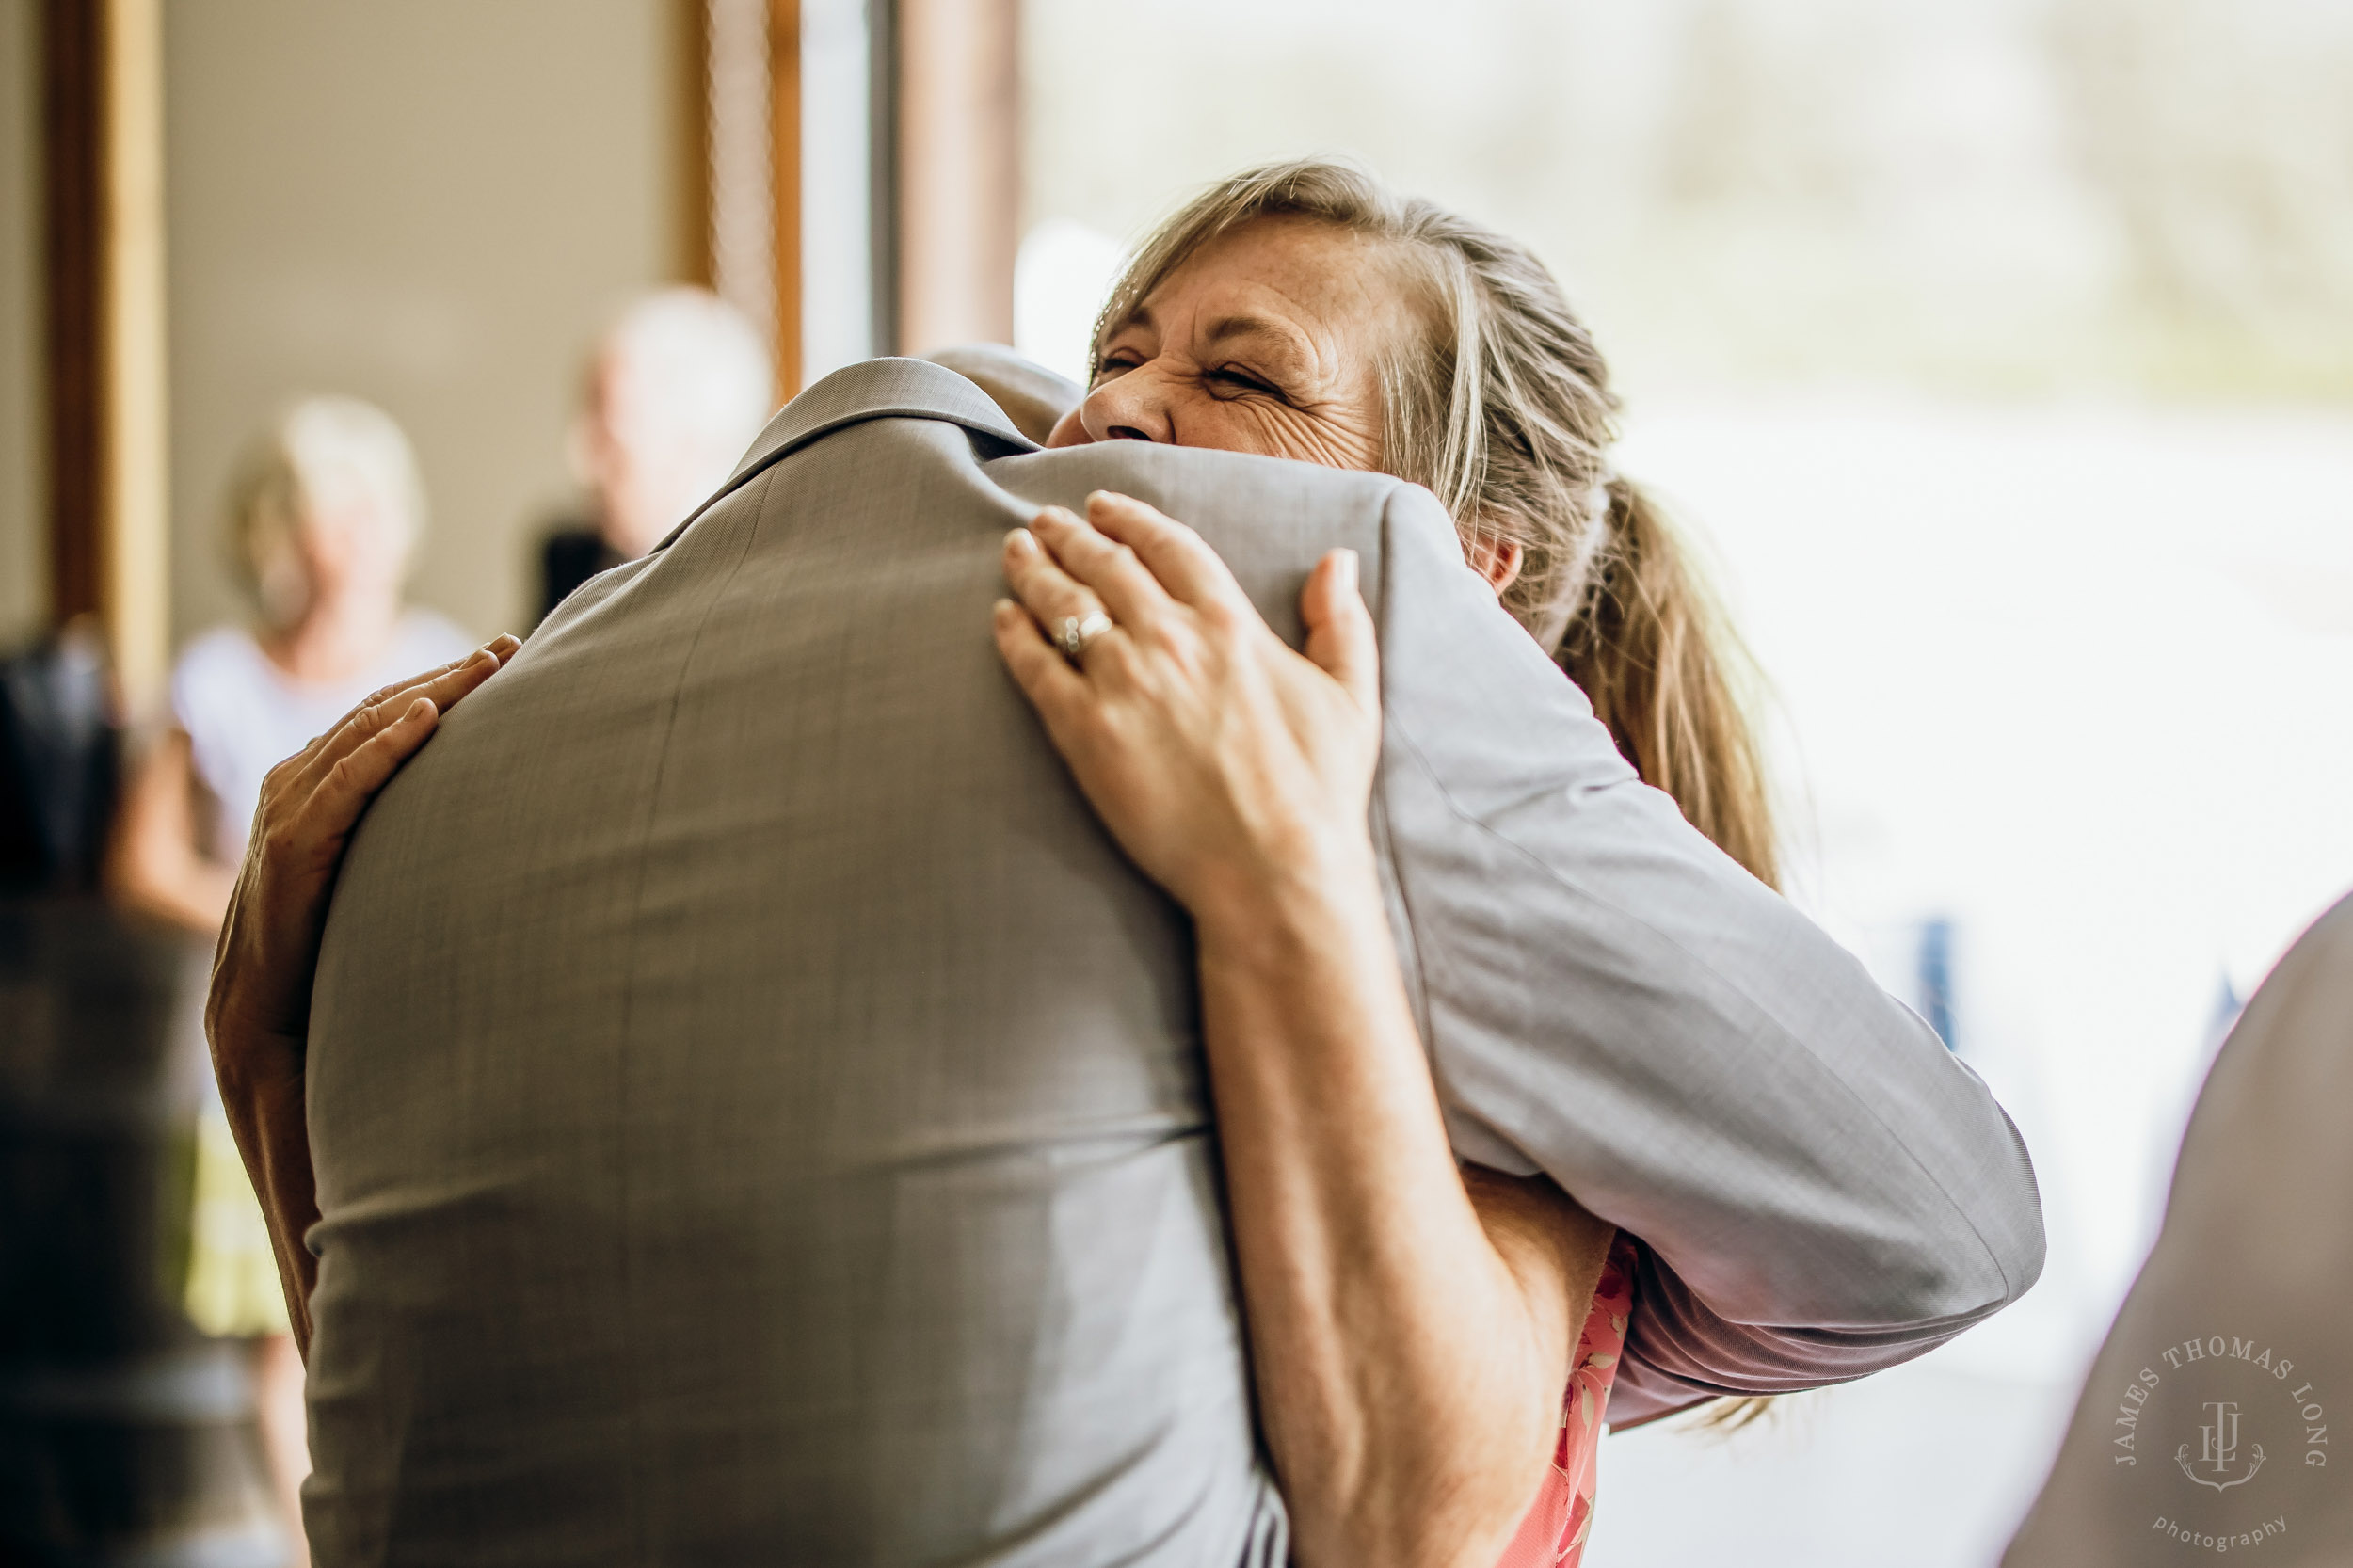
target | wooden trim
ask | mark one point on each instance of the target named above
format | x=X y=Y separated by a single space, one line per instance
x=747 y=175
x=959 y=171
x=103 y=269
x=784 y=167
x=690 y=23
x=73 y=243
x=139 y=533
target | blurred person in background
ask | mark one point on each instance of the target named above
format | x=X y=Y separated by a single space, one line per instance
x=323 y=515
x=676 y=389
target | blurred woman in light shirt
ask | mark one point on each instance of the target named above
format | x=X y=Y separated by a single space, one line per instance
x=323 y=515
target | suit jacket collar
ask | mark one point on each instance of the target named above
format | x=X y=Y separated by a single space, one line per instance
x=874 y=389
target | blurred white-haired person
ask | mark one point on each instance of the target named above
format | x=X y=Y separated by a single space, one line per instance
x=324 y=513
x=677 y=387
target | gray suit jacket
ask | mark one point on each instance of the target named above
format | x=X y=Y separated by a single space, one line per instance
x=2241 y=1304
x=759 y=1114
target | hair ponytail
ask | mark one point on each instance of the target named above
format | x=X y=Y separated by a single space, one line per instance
x=1662 y=668
x=1659 y=663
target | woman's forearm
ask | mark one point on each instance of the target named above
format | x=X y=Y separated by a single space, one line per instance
x=1410 y=1365
x=261 y=1089
x=153 y=864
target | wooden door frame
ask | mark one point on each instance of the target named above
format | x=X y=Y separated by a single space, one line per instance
x=944 y=154
x=956 y=204
x=102 y=289
x=714 y=175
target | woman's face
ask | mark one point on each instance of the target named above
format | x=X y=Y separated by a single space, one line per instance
x=1267 y=340
x=342 y=554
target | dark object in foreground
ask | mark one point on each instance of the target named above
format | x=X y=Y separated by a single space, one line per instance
x=59 y=750
x=125 y=1436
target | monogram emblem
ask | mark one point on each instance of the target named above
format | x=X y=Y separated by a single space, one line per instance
x=2218 y=1452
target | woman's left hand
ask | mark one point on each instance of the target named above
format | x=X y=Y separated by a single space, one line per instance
x=1225 y=764
x=1237 y=774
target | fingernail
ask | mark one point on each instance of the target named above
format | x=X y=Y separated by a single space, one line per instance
x=1020 y=541
x=1347 y=569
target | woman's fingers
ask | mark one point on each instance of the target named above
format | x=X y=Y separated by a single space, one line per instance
x=443 y=686
x=1212 y=752
x=417 y=683
x=1042 y=586
x=1045 y=677
x=502 y=647
x=1341 y=638
x=1180 y=560
x=447 y=685
x=450 y=687
x=340 y=736
x=1116 y=574
x=450 y=680
x=335 y=806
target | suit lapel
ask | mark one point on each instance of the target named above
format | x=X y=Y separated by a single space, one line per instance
x=874 y=389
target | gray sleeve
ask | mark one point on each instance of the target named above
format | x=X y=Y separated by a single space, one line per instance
x=1820 y=1189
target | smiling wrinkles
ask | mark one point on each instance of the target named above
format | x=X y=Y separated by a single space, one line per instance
x=1281 y=303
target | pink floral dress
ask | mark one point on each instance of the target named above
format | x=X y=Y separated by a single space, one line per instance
x=1553 y=1534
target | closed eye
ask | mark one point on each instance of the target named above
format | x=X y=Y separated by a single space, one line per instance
x=1114 y=364
x=1243 y=380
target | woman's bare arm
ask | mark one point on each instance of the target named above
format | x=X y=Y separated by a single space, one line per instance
x=153 y=865
x=1411 y=1331
x=1412 y=1327
x=1553 y=1247
x=258 y=1014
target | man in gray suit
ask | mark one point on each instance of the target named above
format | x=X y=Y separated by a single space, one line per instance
x=758 y=1114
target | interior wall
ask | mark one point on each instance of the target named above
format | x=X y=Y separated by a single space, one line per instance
x=24 y=535
x=432 y=205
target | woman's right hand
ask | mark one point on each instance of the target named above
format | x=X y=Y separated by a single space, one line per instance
x=258 y=1016
x=310 y=803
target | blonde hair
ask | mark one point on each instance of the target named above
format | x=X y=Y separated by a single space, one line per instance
x=1502 y=408
x=319 y=453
